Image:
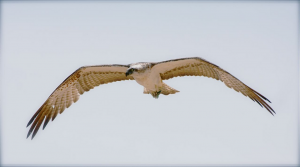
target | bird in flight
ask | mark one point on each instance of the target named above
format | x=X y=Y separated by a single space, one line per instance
x=149 y=75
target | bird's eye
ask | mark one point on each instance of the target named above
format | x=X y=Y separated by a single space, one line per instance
x=132 y=69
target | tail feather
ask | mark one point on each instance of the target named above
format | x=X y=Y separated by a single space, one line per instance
x=166 y=90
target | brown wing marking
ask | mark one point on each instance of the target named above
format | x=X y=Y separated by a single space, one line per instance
x=195 y=66
x=68 y=92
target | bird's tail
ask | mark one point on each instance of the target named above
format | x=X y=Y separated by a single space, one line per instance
x=165 y=90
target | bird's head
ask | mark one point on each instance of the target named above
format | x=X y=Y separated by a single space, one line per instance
x=137 y=68
x=130 y=71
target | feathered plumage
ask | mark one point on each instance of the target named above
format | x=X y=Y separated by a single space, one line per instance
x=149 y=75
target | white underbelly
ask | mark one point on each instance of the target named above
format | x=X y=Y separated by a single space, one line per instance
x=149 y=80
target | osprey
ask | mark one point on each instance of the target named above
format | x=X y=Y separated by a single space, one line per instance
x=149 y=75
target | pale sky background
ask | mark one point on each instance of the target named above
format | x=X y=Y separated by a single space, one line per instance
x=116 y=124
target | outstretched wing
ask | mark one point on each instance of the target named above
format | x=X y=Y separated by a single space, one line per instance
x=196 y=66
x=80 y=81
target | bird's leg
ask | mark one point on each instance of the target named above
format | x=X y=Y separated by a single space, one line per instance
x=156 y=94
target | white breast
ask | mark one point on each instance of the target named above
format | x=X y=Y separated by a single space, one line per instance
x=149 y=79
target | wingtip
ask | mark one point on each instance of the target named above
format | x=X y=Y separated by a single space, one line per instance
x=28 y=134
x=29 y=123
x=271 y=111
x=33 y=135
x=45 y=123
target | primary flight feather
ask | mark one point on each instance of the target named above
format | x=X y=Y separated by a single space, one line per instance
x=149 y=75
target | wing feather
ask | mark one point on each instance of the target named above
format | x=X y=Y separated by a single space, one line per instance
x=95 y=79
x=63 y=102
x=75 y=94
x=87 y=83
x=48 y=117
x=83 y=85
x=79 y=88
x=56 y=107
x=68 y=92
x=196 y=66
x=69 y=97
x=91 y=80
